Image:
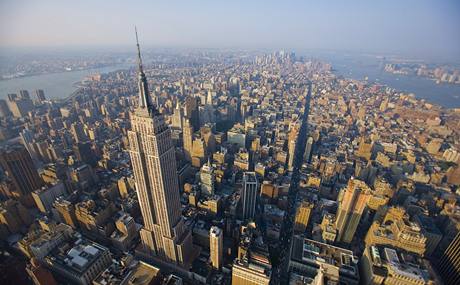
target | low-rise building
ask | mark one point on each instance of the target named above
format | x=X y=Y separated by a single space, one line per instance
x=310 y=258
x=79 y=262
x=386 y=265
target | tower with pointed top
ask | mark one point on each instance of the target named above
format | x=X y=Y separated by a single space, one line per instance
x=144 y=95
x=207 y=179
x=177 y=117
x=164 y=234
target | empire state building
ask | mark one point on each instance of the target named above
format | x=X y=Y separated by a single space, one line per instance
x=164 y=234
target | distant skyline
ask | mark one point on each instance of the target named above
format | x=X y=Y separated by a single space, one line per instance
x=423 y=28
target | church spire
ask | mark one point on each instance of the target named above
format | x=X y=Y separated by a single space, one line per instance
x=144 y=95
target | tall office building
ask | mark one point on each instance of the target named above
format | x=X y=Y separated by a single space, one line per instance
x=177 y=117
x=292 y=141
x=216 y=245
x=252 y=268
x=13 y=216
x=154 y=164
x=20 y=106
x=27 y=137
x=352 y=201
x=65 y=211
x=449 y=264
x=207 y=179
x=83 y=152
x=4 y=109
x=24 y=94
x=17 y=163
x=192 y=111
x=40 y=94
x=249 y=195
x=302 y=216
x=187 y=136
x=78 y=132
x=308 y=149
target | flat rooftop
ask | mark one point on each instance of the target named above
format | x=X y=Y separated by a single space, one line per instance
x=314 y=253
x=250 y=176
x=77 y=257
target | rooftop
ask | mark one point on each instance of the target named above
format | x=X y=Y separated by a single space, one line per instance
x=386 y=260
x=76 y=257
x=311 y=252
x=250 y=176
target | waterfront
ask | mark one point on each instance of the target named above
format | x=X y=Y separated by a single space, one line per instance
x=357 y=66
x=56 y=85
x=61 y=85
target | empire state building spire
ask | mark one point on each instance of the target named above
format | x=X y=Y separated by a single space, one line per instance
x=144 y=95
x=164 y=234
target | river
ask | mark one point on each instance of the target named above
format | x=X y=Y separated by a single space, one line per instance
x=358 y=66
x=61 y=85
x=55 y=85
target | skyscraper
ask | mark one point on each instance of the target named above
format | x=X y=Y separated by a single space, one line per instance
x=40 y=94
x=191 y=111
x=207 y=179
x=249 y=195
x=292 y=141
x=24 y=94
x=20 y=106
x=66 y=212
x=78 y=132
x=352 y=201
x=308 y=149
x=216 y=244
x=188 y=139
x=154 y=164
x=302 y=216
x=28 y=142
x=177 y=117
x=449 y=264
x=17 y=163
x=251 y=269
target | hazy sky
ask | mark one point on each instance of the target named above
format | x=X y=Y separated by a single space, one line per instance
x=408 y=26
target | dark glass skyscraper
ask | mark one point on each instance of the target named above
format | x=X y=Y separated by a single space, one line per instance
x=449 y=265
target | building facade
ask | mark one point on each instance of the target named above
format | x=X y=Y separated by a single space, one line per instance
x=352 y=202
x=449 y=265
x=216 y=244
x=16 y=161
x=249 y=195
x=154 y=164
